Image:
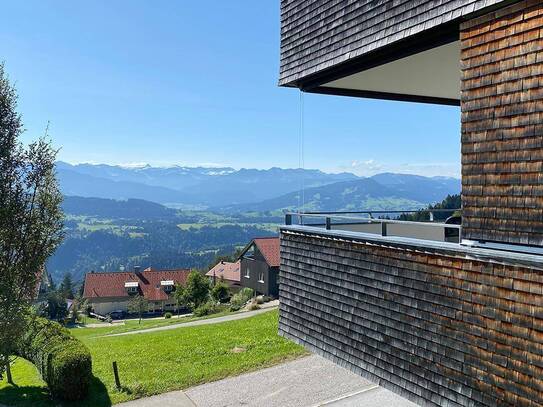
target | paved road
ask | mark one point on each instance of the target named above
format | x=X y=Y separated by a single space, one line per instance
x=216 y=320
x=308 y=382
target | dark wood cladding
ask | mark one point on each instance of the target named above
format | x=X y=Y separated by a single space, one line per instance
x=502 y=125
x=437 y=327
x=319 y=34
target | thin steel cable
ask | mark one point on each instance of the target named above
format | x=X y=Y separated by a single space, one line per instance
x=301 y=156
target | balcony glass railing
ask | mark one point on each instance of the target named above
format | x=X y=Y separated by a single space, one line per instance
x=442 y=225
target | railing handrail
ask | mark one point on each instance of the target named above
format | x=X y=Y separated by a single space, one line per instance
x=374 y=220
x=368 y=212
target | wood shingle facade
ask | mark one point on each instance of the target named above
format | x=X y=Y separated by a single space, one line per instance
x=435 y=326
x=440 y=323
x=320 y=35
x=502 y=125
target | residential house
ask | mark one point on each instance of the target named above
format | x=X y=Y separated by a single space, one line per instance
x=226 y=271
x=259 y=266
x=112 y=291
x=442 y=323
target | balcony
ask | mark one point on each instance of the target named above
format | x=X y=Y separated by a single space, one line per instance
x=442 y=225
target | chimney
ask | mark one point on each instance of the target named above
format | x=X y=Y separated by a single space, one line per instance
x=137 y=269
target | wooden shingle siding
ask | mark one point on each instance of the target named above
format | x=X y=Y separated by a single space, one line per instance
x=319 y=34
x=437 y=328
x=502 y=125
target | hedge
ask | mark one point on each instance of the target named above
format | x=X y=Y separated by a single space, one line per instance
x=64 y=362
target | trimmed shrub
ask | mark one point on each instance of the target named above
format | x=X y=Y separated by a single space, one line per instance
x=64 y=362
x=167 y=315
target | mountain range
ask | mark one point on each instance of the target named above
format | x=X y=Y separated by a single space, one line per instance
x=229 y=190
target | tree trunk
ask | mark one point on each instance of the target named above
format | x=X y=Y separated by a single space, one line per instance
x=8 y=370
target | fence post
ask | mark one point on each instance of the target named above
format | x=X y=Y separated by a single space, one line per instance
x=328 y=223
x=383 y=229
x=116 y=374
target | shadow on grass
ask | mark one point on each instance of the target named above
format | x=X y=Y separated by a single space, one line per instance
x=25 y=396
x=30 y=396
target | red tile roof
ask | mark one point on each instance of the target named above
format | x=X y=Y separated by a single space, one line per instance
x=100 y=285
x=269 y=247
x=228 y=271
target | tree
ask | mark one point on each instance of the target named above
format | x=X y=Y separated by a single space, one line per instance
x=138 y=305
x=55 y=306
x=220 y=291
x=30 y=220
x=67 y=286
x=197 y=288
x=181 y=298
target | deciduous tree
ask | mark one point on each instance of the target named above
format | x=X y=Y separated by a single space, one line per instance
x=30 y=219
x=138 y=305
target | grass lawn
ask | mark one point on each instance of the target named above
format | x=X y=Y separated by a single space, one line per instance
x=134 y=325
x=163 y=361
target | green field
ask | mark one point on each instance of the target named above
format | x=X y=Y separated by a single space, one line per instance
x=158 y=362
x=134 y=325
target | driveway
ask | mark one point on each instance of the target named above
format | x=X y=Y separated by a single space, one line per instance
x=308 y=382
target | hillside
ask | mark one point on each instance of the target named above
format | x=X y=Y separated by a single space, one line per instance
x=114 y=209
x=402 y=192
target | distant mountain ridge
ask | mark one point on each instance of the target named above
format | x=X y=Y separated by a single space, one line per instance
x=227 y=189
x=199 y=186
x=358 y=195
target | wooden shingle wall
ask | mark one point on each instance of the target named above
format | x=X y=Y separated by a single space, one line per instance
x=439 y=328
x=318 y=34
x=502 y=125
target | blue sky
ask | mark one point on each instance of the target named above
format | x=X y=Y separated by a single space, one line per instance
x=195 y=82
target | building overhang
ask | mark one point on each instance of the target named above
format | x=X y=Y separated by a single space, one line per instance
x=424 y=68
x=431 y=76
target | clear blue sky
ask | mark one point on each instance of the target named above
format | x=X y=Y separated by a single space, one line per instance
x=195 y=82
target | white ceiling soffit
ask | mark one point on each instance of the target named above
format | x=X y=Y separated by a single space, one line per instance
x=432 y=73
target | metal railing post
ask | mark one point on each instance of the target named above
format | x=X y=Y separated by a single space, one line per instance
x=328 y=223
x=288 y=219
x=383 y=229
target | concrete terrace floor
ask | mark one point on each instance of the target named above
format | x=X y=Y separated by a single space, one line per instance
x=308 y=382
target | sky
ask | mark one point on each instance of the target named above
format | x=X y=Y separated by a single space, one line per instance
x=195 y=83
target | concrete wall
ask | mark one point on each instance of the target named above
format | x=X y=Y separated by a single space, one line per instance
x=442 y=327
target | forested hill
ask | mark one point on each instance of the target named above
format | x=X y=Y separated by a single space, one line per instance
x=110 y=208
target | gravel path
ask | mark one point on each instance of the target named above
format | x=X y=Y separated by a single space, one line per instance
x=217 y=320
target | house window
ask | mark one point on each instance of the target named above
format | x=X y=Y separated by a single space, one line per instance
x=247 y=272
x=132 y=290
x=261 y=277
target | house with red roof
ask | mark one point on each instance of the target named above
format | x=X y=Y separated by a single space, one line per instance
x=226 y=271
x=112 y=291
x=259 y=266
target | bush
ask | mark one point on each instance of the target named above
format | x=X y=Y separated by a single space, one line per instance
x=64 y=362
x=167 y=315
x=220 y=292
x=206 y=309
x=239 y=300
x=246 y=293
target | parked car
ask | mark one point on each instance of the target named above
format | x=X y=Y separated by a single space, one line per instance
x=117 y=314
